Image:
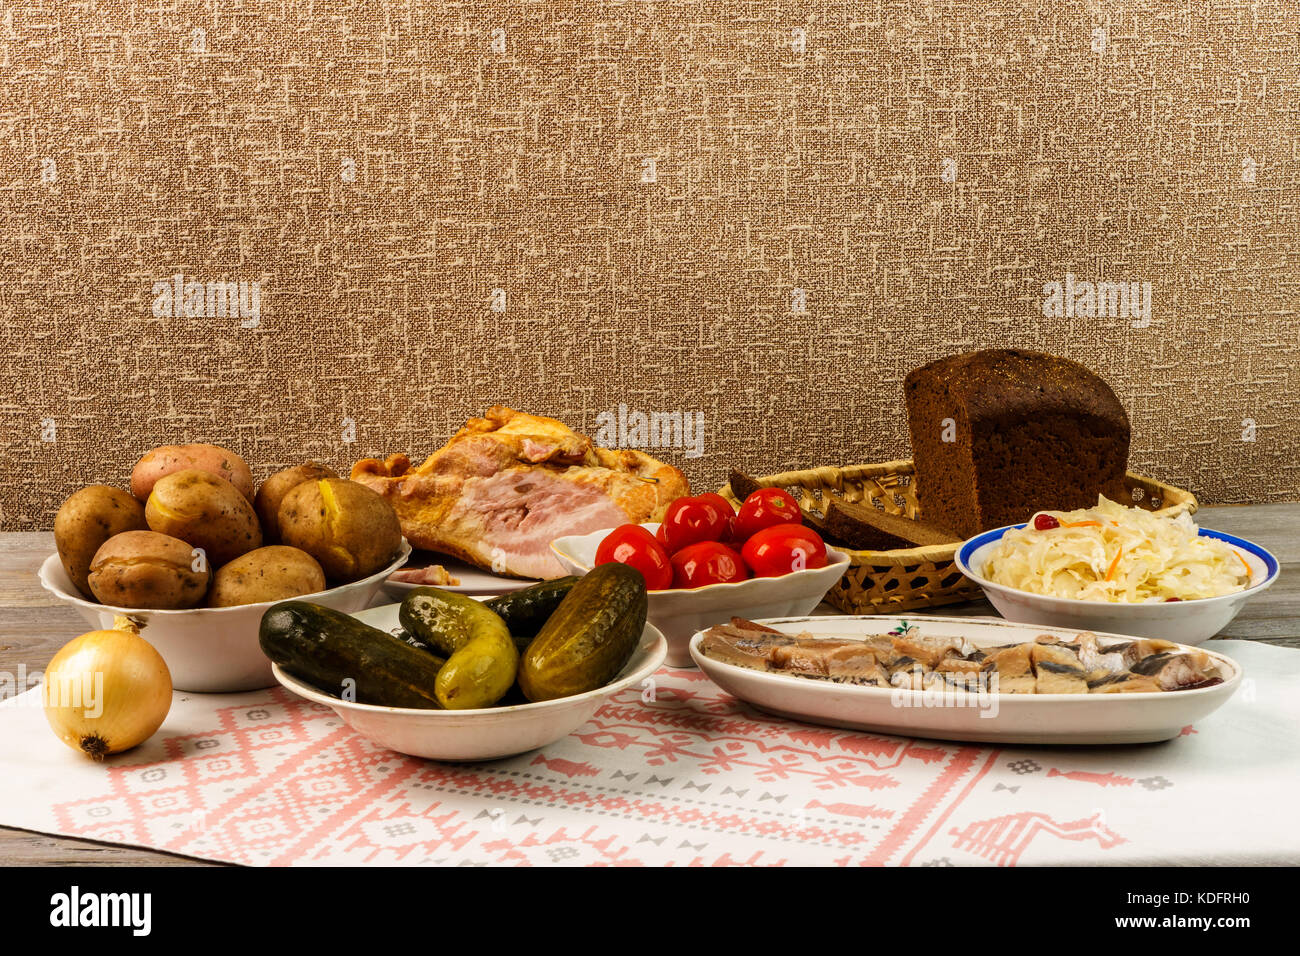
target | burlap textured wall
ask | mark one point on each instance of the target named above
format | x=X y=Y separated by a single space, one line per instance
x=766 y=212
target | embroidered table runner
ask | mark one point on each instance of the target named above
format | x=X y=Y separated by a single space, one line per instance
x=692 y=777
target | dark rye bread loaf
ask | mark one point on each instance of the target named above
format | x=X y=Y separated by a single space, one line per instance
x=1030 y=432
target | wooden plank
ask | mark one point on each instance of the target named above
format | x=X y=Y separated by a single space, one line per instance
x=21 y=554
x=34 y=625
x=22 y=848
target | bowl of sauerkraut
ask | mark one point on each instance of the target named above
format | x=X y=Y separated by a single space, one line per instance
x=1118 y=570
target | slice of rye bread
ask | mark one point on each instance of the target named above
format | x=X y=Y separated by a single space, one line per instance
x=865 y=528
x=742 y=486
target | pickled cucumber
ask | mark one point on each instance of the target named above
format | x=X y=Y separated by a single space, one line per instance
x=589 y=638
x=527 y=610
x=482 y=659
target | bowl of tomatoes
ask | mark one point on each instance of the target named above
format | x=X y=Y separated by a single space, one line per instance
x=706 y=563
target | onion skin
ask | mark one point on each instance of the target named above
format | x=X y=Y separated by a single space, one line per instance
x=107 y=691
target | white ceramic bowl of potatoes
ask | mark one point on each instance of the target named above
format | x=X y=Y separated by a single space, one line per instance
x=212 y=649
x=195 y=558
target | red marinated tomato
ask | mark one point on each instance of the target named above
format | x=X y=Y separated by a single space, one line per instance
x=728 y=511
x=659 y=536
x=633 y=545
x=707 y=562
x=764 y=508
x=689 y=520
x=723 y=504
x=783 y=548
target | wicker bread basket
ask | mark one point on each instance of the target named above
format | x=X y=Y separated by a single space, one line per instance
x=885 y=582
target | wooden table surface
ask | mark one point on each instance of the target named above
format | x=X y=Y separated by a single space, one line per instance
x=33 y=626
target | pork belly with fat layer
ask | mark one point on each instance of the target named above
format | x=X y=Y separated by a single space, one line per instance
x=508 y=484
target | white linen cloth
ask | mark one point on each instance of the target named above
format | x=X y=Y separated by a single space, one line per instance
x=693 y=777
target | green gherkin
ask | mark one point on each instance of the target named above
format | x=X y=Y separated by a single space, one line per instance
x=589 y=638
x=482 y=657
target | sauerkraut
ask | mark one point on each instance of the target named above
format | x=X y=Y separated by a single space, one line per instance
x=1116 y=554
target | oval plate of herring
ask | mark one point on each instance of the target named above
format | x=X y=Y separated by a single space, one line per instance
x=955 y=678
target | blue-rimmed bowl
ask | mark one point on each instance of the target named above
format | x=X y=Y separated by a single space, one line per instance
x=1183 y=622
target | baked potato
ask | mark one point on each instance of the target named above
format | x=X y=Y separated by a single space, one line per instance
x=273 y=573
x=85 y=521
x=145 y=569
x=348 y=528
x=205 y=510
x=169 y=459
x=271 y=494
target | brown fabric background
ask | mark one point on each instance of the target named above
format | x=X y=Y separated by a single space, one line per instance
x=223 y=155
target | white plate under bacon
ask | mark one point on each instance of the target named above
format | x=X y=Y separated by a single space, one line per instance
x=1046 y=665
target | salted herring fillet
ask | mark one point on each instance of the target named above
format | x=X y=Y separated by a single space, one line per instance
x=1046 y=665
x=509 y=483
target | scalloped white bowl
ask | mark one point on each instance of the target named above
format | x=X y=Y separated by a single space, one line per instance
x=679 y=613
x=212 y=650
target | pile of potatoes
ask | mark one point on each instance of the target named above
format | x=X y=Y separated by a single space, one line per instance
x=192 y=533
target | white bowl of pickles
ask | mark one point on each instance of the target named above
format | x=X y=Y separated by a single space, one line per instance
x=512 y=726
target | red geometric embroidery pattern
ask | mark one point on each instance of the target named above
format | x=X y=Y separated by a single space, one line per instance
x=692 y=778
x=1003 y=839
x=1100 y=779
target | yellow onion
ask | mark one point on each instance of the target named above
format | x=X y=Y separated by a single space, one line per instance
x=107 y=691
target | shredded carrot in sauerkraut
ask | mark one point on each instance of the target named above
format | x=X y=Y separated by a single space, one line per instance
x=1117 y=554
